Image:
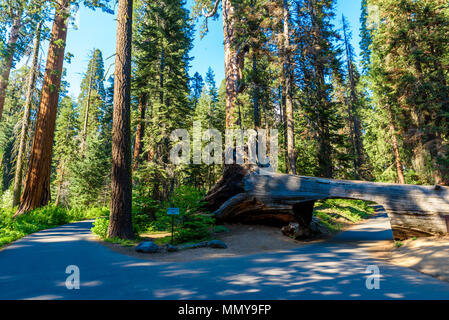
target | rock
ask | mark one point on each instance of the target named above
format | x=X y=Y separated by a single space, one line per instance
x=295 y=231
x=217 y=244
x=316 y=227
x=147 y=247
x=291 y=229
x=171 y=248
x=194 y=245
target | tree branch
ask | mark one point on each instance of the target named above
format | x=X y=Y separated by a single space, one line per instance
x=213 y=12
x=210 y=14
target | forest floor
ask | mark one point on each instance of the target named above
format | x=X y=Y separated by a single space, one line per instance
x=335 y=215
x=426 y=255
x=241 y=240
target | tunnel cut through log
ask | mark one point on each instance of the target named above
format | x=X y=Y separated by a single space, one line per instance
x=252 y=195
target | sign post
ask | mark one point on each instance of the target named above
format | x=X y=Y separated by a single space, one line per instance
x=172 y=212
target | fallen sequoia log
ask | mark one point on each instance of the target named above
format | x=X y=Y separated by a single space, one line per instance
x=245 y=195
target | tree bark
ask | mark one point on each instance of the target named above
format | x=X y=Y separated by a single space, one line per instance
x=278 y=199
x=37 y=184
x=231 y=62
x=86 y=114
x=290 y=141
x=26 y=118
x=6 y=65
x=140 y=130
x=394 y=142
x=120 y=222
x=60 y=171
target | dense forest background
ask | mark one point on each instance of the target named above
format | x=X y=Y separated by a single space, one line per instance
x=384 y=119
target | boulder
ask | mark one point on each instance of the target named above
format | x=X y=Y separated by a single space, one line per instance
x=217 y=244
x=194 y=245
x=294 y=230
x=171 y=248
x=147 y=247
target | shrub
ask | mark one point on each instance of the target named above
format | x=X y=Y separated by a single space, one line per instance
x=144 y=212
x=220 y=229
x=194 y=224
x=100 y=227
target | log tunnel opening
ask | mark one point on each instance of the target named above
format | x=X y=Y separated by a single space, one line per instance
x=245 y=195
x=303 y=212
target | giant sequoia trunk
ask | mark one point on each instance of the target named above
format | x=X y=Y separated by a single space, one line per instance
x=120 y=223
x=36 y=192
x=245 y=195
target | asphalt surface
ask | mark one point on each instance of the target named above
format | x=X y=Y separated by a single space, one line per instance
x=35 y=268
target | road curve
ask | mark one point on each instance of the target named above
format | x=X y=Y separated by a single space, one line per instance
x=35 y=268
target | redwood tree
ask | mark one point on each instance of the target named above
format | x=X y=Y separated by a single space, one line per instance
x=120 y=223
x=36 y=192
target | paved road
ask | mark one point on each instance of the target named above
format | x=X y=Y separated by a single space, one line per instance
x=34 y=268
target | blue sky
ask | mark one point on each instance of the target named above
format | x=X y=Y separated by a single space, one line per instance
x=96 y=29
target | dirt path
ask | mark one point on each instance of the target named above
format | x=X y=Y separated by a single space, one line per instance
x=241 y=240
x=427 y=255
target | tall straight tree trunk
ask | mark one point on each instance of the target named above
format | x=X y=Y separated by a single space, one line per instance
x=6 y=64
x=256 y=93
x=394 y=142
x=37 y=184
x=356 y=134
x=291 y=153
x=231 y=62
x=61 y=172
x=86 y=114
x=120 y=222
x=26 y=118
x=140 y=130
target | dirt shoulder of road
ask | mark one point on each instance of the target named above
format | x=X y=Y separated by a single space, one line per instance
x=426 y=255
x=241 y=240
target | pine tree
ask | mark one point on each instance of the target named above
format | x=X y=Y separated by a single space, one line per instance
x=197 y=88
x=92 y=96
x=318 y=62
x=162 y=43
x=408 y=59
x=67 y=127
x=120 y=221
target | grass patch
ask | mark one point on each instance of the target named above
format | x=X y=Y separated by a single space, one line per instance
x=220 y=229
x=50 y=216
x=398 y=244
x=334 y=214
x=123 y=242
